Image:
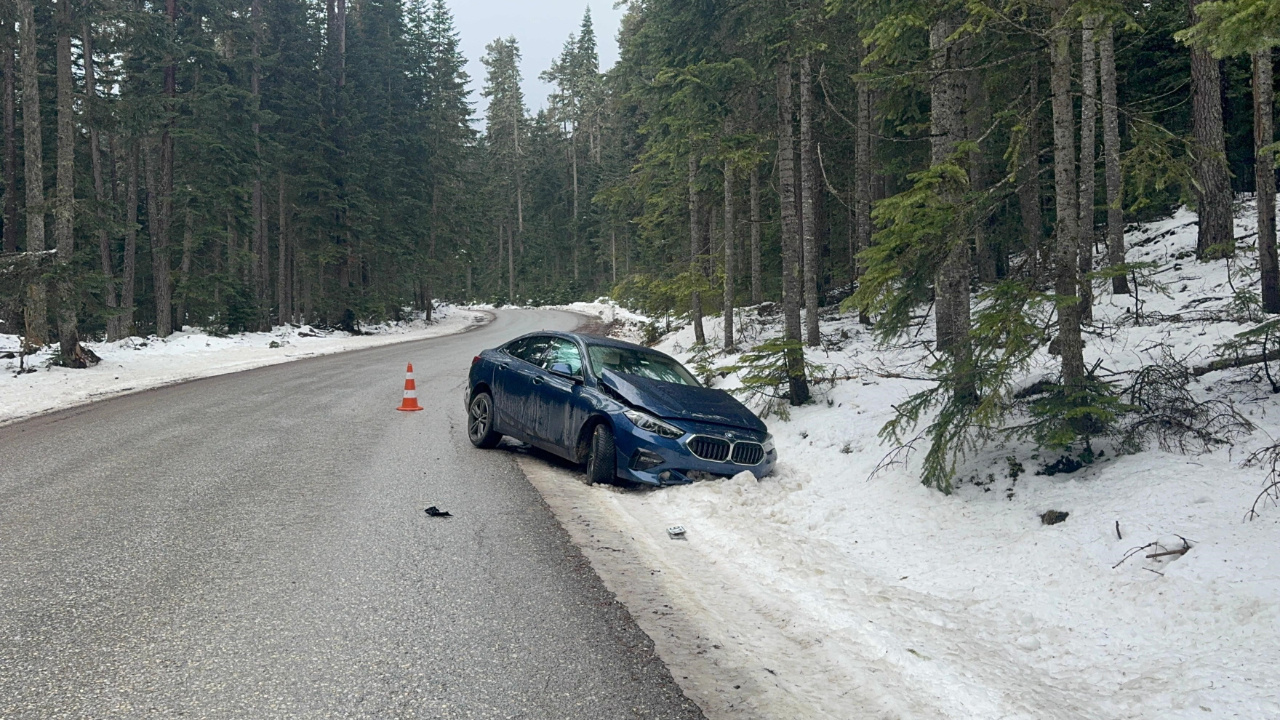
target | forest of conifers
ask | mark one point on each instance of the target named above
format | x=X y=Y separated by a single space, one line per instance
x=234 y=164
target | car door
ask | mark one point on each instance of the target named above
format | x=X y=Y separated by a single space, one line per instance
x=516 y=387
x=556 y=394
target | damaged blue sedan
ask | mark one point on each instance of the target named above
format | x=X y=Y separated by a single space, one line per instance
x=623 y=410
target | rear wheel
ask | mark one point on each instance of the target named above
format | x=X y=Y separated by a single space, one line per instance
x=480 y=422
x=602 y=463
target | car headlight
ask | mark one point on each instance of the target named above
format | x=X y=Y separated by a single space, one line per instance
x=645 y=421
x=768 y=444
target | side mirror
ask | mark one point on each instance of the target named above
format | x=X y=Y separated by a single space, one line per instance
x=563 y=370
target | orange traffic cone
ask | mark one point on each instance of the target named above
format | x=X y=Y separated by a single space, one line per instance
x=410 y=392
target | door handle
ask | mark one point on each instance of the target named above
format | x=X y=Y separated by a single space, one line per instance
x=537 y=380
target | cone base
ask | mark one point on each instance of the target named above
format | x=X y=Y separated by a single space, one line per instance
x=408 y=409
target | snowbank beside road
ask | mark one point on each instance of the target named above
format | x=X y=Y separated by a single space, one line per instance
x=829 y=590
x=136 y=364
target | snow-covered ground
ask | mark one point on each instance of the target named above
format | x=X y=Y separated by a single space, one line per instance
x=135 y=364
x=830 y=590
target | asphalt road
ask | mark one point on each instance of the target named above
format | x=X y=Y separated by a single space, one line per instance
x=254 y=546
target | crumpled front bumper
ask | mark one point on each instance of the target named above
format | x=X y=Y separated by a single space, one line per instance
x=679 y=465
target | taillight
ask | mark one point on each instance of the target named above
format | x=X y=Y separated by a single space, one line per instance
x=475 y=360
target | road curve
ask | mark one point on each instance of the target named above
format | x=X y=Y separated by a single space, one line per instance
x=254 y=546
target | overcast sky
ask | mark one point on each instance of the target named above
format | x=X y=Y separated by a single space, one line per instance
x=541 y=26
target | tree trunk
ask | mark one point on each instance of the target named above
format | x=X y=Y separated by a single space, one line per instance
x=1029 y=198
x=261 y=259
x=757 y=279
x=729 y=221
x=36 y=310
x=129 y=265
x=156 y=219
x=695 y=251
x=977 y=120
x=164 y=203
x=1264 y=170
x=1111 y=149
x=808 y=190
x=947 y=129
x=511 y=267
x=863 y=176
x=64 y=212
x=184 y=273
x=99 y=190
x=10 y=142
x=1212 y=178
x=1067 y=265
x=282 y=268
x=1088 y=160
x=613 y=254
x=798 y=384
x=573 y=155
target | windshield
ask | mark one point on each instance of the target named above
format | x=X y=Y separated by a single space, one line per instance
x=644 y=363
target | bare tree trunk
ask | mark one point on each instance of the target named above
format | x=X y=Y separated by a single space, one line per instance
x=1088 y=160
x=160 y=264
x=863 y=177
x=129 y=265
x=797 y=381
x=1264 y=170
x=1029 y=181
x=729 y=221
x=36 y=310
x=1212 y=178
x=613 y=254
x=156 y=218
x=695 y=250
x=977 y=120
x=808 y=190
x=757 y=279
x=184 y=273
x=99 y=190
x=511 y=267
x=947 y=129
x=261 y=259
x=573 y=154
x=1067 y=267
x=64 y=212
x=1111 y=149
x=295 y=282
x=283 y=298
x=10 y=142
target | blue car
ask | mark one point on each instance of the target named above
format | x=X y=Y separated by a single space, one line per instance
x=624 y=410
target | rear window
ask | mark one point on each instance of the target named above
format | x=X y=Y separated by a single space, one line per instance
x=645 y=363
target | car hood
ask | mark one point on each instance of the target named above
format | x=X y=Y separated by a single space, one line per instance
x=682 y=402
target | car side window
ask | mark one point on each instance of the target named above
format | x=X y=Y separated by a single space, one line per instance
x=530 y=349
x=563 y=352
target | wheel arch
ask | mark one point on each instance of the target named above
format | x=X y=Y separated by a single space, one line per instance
x=583 y=446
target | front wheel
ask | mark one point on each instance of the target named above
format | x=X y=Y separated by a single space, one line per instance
x=480 y=422
x=602 y=463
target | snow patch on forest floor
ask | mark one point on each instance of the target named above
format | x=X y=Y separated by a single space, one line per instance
x=832 y=590
x=136 y=363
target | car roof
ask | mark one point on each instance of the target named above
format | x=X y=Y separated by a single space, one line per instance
x=591 y=340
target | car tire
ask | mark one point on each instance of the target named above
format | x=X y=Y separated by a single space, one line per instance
x=602 y=462
x=480 y=422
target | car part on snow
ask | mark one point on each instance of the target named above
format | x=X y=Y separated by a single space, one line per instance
x=676 y=532
x=434 y=511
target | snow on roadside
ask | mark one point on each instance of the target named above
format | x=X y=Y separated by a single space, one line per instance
x=136 y=363
x=835 y=591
